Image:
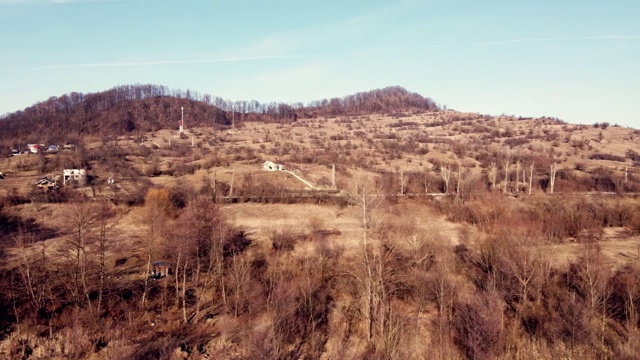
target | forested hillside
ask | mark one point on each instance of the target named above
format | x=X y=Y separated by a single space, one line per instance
x=135 y=109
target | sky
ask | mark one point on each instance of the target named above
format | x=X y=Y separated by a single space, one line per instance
x=575 y=60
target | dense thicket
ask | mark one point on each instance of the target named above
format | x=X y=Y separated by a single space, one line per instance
x=402 y=293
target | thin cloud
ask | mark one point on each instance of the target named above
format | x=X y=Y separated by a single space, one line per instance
x=162 y=62
x=522 y=41
x=559 y=39
x=27 y=2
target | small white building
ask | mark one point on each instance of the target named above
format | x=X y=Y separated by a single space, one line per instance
x=271 y=166
x=78 y=176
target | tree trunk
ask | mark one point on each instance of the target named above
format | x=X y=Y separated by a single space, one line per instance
x=518 y=176
x=531 y=177
x=506 y=176
x=552 y=177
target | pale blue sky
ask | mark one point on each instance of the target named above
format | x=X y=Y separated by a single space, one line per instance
x=576 y=60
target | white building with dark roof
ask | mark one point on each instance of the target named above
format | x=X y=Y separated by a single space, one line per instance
x=78 y=176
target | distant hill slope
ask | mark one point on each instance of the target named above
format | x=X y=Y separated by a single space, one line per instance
x=389 y=99
x=113 y=112
x=142 y=108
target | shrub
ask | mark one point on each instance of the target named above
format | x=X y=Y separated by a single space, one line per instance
x=603 y=156
x=478 y=330
x=285 y=240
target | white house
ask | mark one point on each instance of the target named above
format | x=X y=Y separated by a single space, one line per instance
x=271 y=166
x=74 y=175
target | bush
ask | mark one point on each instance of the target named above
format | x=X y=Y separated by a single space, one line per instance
x=610 y=157
x=513 y=142
x=285 y=240
x=478 y=329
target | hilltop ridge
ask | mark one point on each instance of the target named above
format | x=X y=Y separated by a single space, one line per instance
x=135 y=109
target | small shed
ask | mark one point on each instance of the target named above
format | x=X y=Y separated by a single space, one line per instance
x=271 y=166
x=161 y=269
x=47 y=184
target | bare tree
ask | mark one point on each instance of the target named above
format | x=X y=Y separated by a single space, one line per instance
x=493 y=174
x=531 y=176
x=628 y=289
x=445 y=172
x=365 y=195
x=32 y=277
x=239 y=275
x=366 y=199
x=181 y=283
x=423 y=254
x=198 y=243
x=158 y=205
x=82 y=220
x=552 y=177
x=594 y=275
x=105 y=228
x=479 y=327
x=403 y=183
x=518 y=176
x=506 y=174
x=459 y=180
x=444 y=289
x=525 y=265
x=426 y=179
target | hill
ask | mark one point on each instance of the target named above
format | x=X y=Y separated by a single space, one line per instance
x=136 y=109
x=440 y=234
x=121 y=110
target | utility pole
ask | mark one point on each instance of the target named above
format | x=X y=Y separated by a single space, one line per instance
x=181 y=120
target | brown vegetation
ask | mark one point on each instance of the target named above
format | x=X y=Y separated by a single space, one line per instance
x=439 y=235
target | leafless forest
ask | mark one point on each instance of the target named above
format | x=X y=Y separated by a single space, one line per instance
x=425 y=234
